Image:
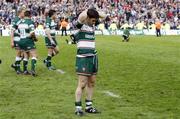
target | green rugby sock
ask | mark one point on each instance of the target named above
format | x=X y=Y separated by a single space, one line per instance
x=48 y=61
x=88 y=103
x=48 y=58
x=78 y=105
x=33 y=64
x=25 y=65
x=17 y=63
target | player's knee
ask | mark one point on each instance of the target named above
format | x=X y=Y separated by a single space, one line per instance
x=81 y=87
x=83 y=84
x=91 y=83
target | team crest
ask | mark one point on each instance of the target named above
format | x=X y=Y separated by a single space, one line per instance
x=83 y=68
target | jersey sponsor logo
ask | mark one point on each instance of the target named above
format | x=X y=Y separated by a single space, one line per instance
x=89 y=36
x=87 y=28
x=23 y=26
x=86 y=44
x=16 y=38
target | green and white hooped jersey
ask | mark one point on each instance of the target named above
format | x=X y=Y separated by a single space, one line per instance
x=25 y=28
x=86 y=41
x=51 y=25
x=15 y=23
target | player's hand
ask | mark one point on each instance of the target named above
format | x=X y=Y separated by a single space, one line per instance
x=102 y=15
x=52 y=42
x=34 y=38
x=12 y=45
x=82 y=17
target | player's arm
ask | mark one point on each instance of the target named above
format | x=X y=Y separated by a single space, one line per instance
x=12 y=38
x=12 y=33
x=81 y=19
x=48 y=32
x=32 y=32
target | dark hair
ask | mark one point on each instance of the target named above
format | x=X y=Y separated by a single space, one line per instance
x=27 y=13
x=92 y=13
x=51 y=13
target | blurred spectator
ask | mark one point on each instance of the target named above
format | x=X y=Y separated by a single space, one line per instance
x=64 y=25
x=140 y=25
x=158 y=28
x=113 y=26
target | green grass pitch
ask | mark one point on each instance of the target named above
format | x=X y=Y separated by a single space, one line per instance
x=136 y=80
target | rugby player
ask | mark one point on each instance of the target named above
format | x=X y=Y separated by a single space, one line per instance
x=27 y=43
x=15 y=38
x=50 y=39
x=86 y=60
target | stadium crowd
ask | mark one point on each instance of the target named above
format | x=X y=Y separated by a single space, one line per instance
x=135 y=14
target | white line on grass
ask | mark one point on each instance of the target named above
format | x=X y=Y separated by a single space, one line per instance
x=111 y=94
x=60 y=71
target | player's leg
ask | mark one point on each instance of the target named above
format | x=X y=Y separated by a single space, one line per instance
x=74 y=38
x=92 y=67
x=89 y=91
x=47 y=61
x=25 y=63
x=128 y=38
x=33 y=54
x=17 y=59
x=19 y=46
x=52 y=51
x=82 y=82
x=49 y=46
x=55 y=51
x=124 y=38
x=90 y=86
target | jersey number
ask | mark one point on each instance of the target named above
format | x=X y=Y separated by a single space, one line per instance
x=22 y=33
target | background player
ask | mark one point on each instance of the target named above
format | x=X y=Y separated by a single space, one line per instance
x=126 y=35
x=50 y=40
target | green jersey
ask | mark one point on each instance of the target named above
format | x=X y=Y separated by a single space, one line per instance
x=25 y=28
x=126 y=32
x=51 y=25
x=15 y=23
x=86 y=41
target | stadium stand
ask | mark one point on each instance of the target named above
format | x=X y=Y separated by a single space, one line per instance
x=135 y=14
